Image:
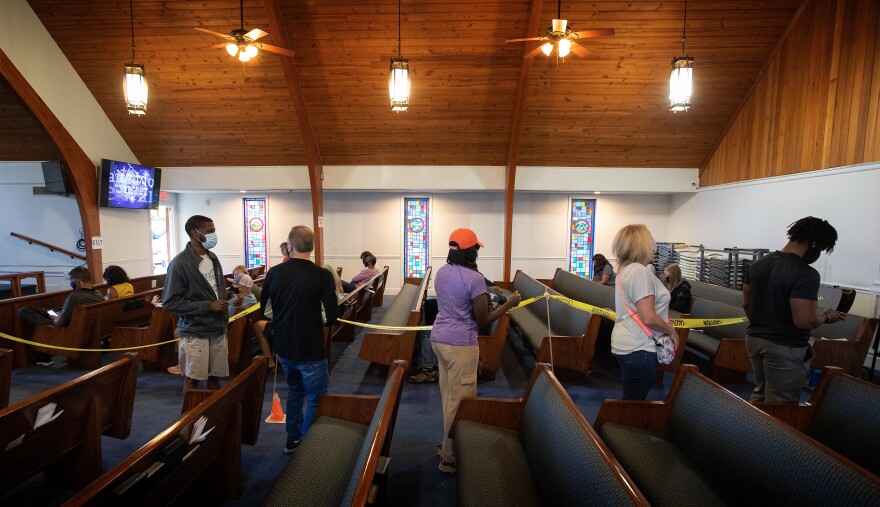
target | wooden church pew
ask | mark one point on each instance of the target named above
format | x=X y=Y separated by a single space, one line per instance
x=68 y=448
x=158 y=472
x=5 y=376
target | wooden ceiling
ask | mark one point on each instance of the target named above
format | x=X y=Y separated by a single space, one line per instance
x=609 y=109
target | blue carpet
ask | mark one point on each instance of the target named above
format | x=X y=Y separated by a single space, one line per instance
x=413 y=475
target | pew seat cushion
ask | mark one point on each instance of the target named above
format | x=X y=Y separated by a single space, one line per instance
x=492 y=467
x=532 y=327
x=702 y=342
x=663 y=472
x=321 y=466
x=398 y=313
x=847 y=421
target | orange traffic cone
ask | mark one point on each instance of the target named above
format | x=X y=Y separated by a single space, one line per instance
x=277 y=415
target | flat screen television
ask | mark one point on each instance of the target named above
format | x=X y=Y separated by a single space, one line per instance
x=54 y=176
x=125 y=185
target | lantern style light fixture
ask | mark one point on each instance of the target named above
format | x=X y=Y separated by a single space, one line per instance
x=681 y=84
x=134 y=84
x=398 y=81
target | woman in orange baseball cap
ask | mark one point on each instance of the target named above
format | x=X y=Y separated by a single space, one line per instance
x=463 y=310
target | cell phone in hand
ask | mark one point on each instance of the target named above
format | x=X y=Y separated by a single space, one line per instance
x=52 y=313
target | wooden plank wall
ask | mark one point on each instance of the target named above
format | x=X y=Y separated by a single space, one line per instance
x=817 y=103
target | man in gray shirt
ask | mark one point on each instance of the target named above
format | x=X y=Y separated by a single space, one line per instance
x=83 y=294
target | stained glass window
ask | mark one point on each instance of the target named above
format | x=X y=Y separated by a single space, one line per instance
x=580 y=237
x=415 y=246
x=255 y=241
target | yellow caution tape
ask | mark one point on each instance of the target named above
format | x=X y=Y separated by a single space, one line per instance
x=73 y=349
x=604 y=312
x=59 y=347
x=701 y=323
x=387 y=328
x=530 y=301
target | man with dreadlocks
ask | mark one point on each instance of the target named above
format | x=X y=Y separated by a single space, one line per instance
x=780 y=293
x=463 y=309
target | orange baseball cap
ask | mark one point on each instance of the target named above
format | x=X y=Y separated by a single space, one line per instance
x=464 y=238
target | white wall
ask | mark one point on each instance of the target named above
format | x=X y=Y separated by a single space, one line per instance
x=756 y=214
x=357 y=221
x=57 y=222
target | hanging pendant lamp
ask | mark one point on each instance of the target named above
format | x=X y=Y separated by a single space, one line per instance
x=134 y=84
x=681 y=79
x=398 y=80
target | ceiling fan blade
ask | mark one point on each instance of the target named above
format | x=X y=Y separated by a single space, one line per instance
x=255 y=34
x=534 y=53
x=277 y=50
x=523 y=40
x=216 y=46
x=218 y=34
x=579 y=50
x=599 y=32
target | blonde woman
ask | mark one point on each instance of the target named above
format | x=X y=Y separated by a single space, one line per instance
x=679 y=289
x=640 y=292
x=336 y=280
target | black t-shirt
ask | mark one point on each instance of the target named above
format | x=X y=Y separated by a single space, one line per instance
x=297 y=289
x=775 y=280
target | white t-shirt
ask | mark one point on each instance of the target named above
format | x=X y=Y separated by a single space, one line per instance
x=206 y=268
x=635 y=282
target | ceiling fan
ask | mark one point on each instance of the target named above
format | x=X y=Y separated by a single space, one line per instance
x=242 y=44
x=561 y=37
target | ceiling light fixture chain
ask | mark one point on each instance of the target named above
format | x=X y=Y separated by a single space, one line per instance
x=134 y=82
x=681 y=78
x=399 y=53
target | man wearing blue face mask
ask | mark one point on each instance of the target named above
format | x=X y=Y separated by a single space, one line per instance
x=195 y=290
x=83 y=294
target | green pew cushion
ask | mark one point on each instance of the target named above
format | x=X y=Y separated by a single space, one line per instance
x=662 y=472
x=848 y=420
x=566 y=463
x=697 y=340
x=321 y=466
x=533 y=328
x=398 y=313
x=756 y=459
x=492 y=468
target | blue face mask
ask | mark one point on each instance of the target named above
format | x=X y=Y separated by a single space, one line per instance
x=73 y=285
x=210 y=240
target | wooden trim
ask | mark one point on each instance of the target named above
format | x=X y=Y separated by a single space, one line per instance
x=5 y=376
x=15 y=280
x=310 y=142
x=519 y=105
x=83 y=176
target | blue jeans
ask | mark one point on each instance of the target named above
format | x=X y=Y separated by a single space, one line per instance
x=637 y=371
x=307 y=381
x=426 y=352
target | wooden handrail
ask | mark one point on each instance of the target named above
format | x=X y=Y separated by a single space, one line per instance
x=51 y=247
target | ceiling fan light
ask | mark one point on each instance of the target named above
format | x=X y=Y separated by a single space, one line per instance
x=243 y=55
x=564 y=48
x=559 y=25
x=135 y=89
x=251 y=50
x=681 y=83
x=398 y=84
x=232 y=49
x=547 y=48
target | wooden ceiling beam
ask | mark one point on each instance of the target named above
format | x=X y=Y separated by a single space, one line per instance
x=310 y=142
x=515 y=128
x=82 y=174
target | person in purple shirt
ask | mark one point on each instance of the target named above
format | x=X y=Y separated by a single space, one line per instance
x=463 y=310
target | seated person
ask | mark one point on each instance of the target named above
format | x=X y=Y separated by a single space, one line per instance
x=83 y=294
x=368 y=272
x=340 y=292
x=602 y=271
x=119 y=286
x=242 y=297
x=679 y=289
x=263 y=330
x=239 y=271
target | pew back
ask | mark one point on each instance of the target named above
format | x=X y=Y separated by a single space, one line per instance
x=5 y=376
x=726 y=295
x=233 y=415
x=68 y=449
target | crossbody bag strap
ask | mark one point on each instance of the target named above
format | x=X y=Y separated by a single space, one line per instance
x=635 y=317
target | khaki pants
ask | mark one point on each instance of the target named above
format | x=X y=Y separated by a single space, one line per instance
x=457 y=366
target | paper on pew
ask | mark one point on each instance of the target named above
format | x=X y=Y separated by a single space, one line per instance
x=44 y=415
x=15 y=443
x=156 y=302
x=198 y=433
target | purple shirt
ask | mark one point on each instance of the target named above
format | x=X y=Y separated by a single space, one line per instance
x=456 y=288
